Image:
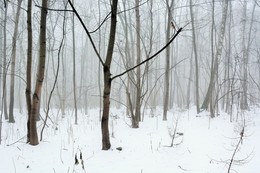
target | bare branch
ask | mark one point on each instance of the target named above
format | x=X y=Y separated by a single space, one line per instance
x=105 y=19
x=108 y=16
x=51 y=9
x=133 y=7
x=148 y=59
x=86 y=30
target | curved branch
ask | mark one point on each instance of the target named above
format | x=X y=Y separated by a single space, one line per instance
x=105 y=19
x=148 y=59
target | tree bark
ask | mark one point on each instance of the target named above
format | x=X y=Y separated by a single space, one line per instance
x=167 y=60
x=137 y=118
x=29 y=67
x=40 y=76
x=107 y=79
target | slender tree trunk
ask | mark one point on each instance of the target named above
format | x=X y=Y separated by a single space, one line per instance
x=189 y=82
x=214 y=68
x=1 y=57
x=107 y=79
x=4 y=99
x=128 y=64
x=74 y=70
x=167 y=60
x=196 y=57
x=137 y=116
x=13 y=61
x=29 y=67
x=228 y=65
x=40 y=76
x=246 y=48
x=63 y=62
x=99 y=65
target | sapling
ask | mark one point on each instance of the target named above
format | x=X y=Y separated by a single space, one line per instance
x=238 y=146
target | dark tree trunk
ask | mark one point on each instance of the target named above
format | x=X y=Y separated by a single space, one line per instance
x=29 y=66
x=107 y=79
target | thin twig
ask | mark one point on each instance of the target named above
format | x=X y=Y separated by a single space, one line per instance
x=108 y=16
x=104 y=20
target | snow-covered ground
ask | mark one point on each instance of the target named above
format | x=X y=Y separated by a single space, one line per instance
x=206 y=145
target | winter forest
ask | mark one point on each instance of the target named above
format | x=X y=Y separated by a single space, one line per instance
x=136 y=86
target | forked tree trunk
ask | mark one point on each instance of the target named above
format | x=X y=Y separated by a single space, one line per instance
x=13 y=61
x=40 y=76
x=215 y=63
x=107 y=79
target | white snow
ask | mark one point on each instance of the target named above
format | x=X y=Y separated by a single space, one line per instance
x=206 y=145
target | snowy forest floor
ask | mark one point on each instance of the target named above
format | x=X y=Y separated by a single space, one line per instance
x=201 y=145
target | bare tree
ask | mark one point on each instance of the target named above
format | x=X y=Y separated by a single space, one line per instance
x=107 y=78
x=13 y=61
x=215 y=60
x=195 y=56
x=40 y=76
x=170 y=26
x=137 y=116
x=106 y=68
x=29 y=67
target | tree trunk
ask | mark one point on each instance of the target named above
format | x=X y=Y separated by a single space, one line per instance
x=29 y=67
x=215 y=63
x=246 y=48
x=40 y=76
x=13 y=61
x=4 y=99
x=167 y=60
x=107 y=79
x=74 y=71
x=228 y=66
x=137 y=118
x=196 y=58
